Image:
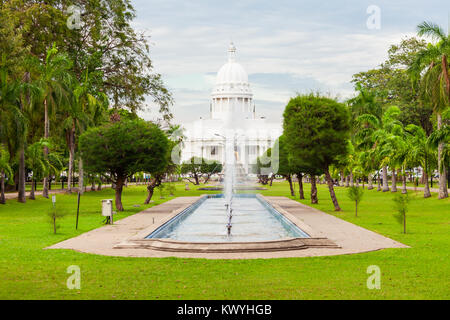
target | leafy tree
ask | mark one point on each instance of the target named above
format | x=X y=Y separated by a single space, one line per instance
x=193 y=168
x=317 y=130
x=199 y=167
x=355 y=194
x=209 y=168
x=119 y=150
x=170 y=167
x=390 y=83
x=263 y=167
x=284 y=165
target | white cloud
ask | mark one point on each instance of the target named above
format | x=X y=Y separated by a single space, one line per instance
x=298 y=46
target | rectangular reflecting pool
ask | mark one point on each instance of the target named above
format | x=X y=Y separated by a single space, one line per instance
x=253 y=219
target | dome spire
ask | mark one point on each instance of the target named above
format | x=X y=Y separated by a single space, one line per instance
x=232 y=53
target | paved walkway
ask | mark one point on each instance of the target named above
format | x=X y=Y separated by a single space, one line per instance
x=350 y=238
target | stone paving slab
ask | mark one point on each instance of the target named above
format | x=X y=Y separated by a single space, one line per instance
x=348 y=237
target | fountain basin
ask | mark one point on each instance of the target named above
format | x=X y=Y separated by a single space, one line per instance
x=257 y=226
x=207 y=221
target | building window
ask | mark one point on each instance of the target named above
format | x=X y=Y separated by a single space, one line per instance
x=214 y=150
x=252 y=150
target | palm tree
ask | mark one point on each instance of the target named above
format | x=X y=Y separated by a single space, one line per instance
x=53 y=79
x=431 y=70
x=374 y=132
x=395 y=150
x=14 y=97
x=87 y=108
x=5 y=171
x=367 y=119
x=37 y=162
x=420 y=152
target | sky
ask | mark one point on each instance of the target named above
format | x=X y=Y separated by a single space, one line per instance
x=286 y=47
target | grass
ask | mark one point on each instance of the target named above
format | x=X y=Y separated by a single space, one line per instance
x=29 y=272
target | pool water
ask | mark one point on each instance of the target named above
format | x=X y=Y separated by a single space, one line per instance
x=206 y=221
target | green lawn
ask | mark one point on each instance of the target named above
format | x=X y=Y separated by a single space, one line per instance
x=29 y=272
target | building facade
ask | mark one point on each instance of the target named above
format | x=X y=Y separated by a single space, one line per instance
x=232 y=117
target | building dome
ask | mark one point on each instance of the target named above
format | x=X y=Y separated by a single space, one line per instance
x=232 y=96
x=231 y=72
x=232 y=77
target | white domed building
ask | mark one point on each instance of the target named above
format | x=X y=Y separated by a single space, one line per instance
x=232 y=117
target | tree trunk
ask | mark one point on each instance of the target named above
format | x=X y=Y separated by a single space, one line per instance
x=426 y=190
x=356 y=208
x=2 y=188
x=370 y=181
x=46 y=135
x=443 y=192
x=289 y=179
x=352 y=183
x=314 y=199
x=394 y=181
x=347 y=181
x=331 y=189
x=342 y=177
x=404 y=190
x=119 y=187
x=300 y=186
x=71 y=159
x=196 y=180
x=33 y=185
x=378 y=182
x=404 y=222
x=93 y=183
x=149 y=195
x=80 y=176
x=21 y=194
x=154 y=182
x=385 y=179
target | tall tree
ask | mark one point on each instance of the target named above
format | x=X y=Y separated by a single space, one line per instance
x=5 y=172
x=119 y=150
x=420 y=153
x=12 y=87
x=431 y=70
x=53 y=79
x=319 y=128
x=38 y=163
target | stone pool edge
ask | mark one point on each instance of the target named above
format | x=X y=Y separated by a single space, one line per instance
x=351 y=238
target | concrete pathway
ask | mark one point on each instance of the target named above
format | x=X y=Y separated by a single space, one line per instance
x=350 y=238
